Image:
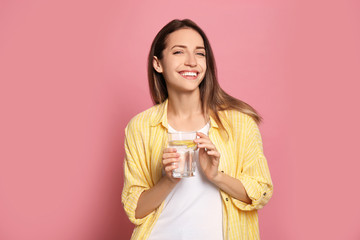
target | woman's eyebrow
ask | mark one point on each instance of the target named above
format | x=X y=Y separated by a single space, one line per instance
x=183 y=46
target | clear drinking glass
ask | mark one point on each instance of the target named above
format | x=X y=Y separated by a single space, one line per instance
x=184 y=143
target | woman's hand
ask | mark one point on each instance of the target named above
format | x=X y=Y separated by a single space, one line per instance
x=151 y=199
x=209 y=157
x=170 y=161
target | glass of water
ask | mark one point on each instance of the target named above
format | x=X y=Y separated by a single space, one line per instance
x=184 y=144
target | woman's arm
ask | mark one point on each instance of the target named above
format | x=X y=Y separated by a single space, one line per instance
x=152 y=198
x=251 y=188
x=209 y=161
x=139 y=197
x=231 y=186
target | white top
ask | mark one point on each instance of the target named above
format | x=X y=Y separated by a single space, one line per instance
x=192 y=210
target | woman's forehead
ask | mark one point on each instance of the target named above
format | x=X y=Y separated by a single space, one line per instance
x=184 y=37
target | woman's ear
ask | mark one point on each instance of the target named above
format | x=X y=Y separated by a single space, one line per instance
x=157 y=65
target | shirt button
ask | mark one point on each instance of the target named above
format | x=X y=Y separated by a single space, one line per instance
x=226 y=199
x=264 y=194
x=222 y=171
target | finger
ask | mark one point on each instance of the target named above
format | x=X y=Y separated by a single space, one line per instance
x=170 y=161
x=169 y=150
x=207 y=146
x=171 y=167
x=170 y=155
x=213 y=153
x=202 y=140
x=202 y=135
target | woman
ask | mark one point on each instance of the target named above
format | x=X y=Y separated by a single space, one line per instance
x=232 y=179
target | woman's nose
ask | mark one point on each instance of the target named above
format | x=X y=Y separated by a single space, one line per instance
x=190 y=60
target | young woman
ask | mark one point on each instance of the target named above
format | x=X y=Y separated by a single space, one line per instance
x=232 y=180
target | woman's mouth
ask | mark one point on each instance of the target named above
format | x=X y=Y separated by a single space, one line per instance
x=189 y=75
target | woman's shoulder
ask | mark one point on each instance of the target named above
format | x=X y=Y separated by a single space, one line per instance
x=238 y=120
x=235 y=116
x=144 y=118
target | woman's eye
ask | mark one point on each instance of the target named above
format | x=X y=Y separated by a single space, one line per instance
x=179 y=52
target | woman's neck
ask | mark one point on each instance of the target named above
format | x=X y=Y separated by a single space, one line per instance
x=185 y=111
x=184 y=104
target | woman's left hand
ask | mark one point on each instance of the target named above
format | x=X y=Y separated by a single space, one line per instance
x=209 y=157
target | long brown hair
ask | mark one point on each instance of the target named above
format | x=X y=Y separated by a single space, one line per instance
x=214 y=98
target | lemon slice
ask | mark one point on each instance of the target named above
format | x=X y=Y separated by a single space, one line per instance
x=187 y=143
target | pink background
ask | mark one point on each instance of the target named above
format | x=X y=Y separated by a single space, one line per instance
x=73 y=73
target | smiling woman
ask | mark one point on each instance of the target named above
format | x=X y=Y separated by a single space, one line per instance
x=182 y=62
x=231 y=180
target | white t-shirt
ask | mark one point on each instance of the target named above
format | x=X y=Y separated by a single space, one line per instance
x=192 y=210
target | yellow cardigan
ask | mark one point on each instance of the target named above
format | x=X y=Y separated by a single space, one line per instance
x=241 y=157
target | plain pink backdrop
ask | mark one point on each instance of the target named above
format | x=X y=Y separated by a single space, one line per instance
x=73 y=73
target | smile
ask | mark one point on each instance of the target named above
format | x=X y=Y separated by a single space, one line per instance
x=189 y=75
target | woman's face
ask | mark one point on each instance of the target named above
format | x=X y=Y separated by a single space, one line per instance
x=184 y=62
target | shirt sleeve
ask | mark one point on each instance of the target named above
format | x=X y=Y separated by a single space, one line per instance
x=254 y=172
x=135 y=173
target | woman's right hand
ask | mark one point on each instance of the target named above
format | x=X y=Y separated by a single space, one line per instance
x=151 y=199
x=170 y=161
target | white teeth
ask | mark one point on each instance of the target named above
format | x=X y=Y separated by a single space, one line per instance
x=189 y=74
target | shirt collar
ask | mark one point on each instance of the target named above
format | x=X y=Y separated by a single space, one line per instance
x=213 y=123
x=161 y=116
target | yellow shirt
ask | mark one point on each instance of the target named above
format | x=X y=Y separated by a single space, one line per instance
x=241 y=157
